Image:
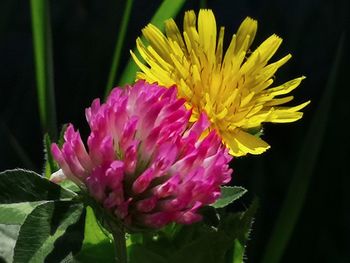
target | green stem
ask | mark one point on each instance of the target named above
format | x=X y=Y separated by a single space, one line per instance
x=119 y=244
x=113 y=225
x=44 y=65
x=118 y=48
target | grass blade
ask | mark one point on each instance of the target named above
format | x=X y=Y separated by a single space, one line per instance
x=295 y=198
x=168 y=9
x=119 y=46
x=44 y=65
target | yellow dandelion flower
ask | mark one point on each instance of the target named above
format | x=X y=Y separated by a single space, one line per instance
x=233 y=88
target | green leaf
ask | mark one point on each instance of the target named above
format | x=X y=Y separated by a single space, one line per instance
x=226 y=243
x=238 y=252
x=16 y=213
x=19 y=185
x=8 y=236
x=209 y=247
x=210 y=216
x=93 y=231
x=196 y=243
x=61 y=135
x=228 y=195
x=50 y=165
x=140 y=254
x=70 y=185
x=242 y=232
x=168 y=9
x=11 y=217
x=69 y=259
x=97 y=246
x=50 y=232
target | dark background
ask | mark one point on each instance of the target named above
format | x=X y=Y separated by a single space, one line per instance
x=84 y=35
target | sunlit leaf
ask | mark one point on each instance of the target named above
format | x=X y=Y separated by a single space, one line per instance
x=8 y=236
x=50 y=232
x=16 y=213
x=97 y=246
x=228 y=195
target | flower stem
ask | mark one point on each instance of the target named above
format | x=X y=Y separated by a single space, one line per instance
x=115 y=227
x=119 y=245
x=42 y=45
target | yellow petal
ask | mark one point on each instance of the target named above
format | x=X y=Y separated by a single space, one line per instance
x=241 y=143
x=248 y=28
x=207 y=33
x=232 y=87
x=173 y=33
x=285 y=88
x=157 y=40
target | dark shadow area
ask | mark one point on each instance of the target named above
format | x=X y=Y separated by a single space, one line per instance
x=69 y=243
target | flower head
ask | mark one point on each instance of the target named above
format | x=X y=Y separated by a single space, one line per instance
x=144 y=163
x=233 y=88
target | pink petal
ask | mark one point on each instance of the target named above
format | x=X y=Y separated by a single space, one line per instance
x=143 y=181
